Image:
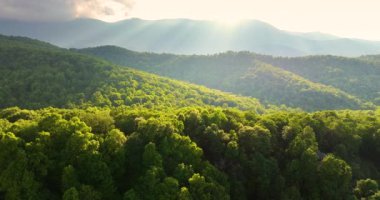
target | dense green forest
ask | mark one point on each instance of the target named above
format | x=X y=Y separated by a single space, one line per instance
x=32 y=76
x=188 y=153
x=311 y=83
x=77 y=127
x=357 y=76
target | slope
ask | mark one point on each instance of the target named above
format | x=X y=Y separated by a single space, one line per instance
x=271 y=84
x=188 y=37
x=240 y=73
x=16 y=41
x=357 y=76
x=38 y=77
x=371 y=58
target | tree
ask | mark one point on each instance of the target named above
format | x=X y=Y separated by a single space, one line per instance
x=255 y=139
x=302 y=166
x=184 y=194
x=335 y=178
x=151 y=158
x=201 y=189
x=366 y=188
x=71 y=194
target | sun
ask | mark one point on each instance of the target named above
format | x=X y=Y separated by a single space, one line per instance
x=229 y=21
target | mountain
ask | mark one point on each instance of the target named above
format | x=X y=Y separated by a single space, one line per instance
x=371 y=58
x=124 y=134
x=36 y=75
x=249 y=74
x=184 y=36
x=24 y=42
x=357 y=76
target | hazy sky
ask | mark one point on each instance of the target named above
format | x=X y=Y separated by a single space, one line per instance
x=349 y=18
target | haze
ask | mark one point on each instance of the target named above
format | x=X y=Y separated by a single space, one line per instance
x=347 y=18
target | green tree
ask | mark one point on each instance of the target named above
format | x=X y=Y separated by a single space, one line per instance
x=335 y=178
x=366 y=188
x=71 y=194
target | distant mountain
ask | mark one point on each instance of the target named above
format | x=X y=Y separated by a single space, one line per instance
x=371 y=58
x=35 y=74
x=183 y=36
x=357 y=76
x=264 y=77
x=124 y=134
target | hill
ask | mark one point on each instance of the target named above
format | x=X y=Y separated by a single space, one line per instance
x=124 y=134
x=35 y=76
x=371 y=58
x=24 y=42
x=357 y=76
x=183 y=36
x=242 y=73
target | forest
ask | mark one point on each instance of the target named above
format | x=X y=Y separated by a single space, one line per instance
x=312 y=83
x=36 y=76
x=188 y=153
x=74 y=126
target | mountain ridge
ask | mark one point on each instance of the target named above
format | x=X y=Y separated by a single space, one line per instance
x=187 y=36
x=34 y=76
x=236 y=72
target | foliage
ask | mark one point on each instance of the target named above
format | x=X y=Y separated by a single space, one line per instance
x=35 y=76
x=187 y=153
x=125 y=134
x=311 y=83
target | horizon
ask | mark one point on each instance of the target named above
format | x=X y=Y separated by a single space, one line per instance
x=348 y=19
x=229 y=24
x=189 y=99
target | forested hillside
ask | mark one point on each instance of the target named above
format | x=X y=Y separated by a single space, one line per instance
x=189 y=153
x=34 y=76
x=311 y=83
x=357 y=76
x=24 y=42
x=76 y=127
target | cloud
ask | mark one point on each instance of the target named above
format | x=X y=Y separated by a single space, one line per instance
x=109 y=10
x=53 y=10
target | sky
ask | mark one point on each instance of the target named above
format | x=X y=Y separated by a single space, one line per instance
x=347 y=18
